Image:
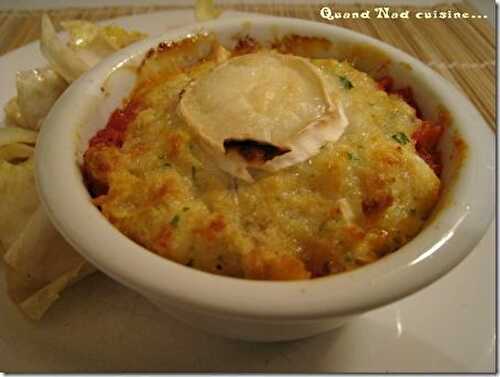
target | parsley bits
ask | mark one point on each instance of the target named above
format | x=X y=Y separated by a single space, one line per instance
x=345 y=82
x=175 y=220
x=352 y=157
x=401 y=138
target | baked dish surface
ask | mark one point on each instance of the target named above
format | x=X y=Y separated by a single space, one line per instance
x=351 y=177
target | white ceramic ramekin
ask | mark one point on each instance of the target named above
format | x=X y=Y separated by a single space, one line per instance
x=260 y=310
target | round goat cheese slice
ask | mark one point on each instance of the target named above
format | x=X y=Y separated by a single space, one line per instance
x=263 y=111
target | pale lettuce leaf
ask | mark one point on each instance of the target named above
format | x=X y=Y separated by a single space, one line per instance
x=37 y=91
x=61 y=58
x=41 y=264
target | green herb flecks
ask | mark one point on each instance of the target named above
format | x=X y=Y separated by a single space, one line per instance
x=184 y=209
x=401 y=138
x=345 y=82
x=175 y=220
x=352 y=157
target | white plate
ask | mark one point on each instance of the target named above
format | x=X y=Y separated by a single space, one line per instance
x=100 y=326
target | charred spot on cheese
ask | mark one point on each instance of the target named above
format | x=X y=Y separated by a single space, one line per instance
x=254 y=152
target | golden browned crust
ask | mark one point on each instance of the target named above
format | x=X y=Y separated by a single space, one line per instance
x=354 y=202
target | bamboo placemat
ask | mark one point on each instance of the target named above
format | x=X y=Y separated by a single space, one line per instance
x=462 y=50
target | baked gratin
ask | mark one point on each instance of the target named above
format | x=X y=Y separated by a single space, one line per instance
x=258 y=163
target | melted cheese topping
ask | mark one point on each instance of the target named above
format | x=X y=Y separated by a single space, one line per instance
x=356 y=200
x=279 y=100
